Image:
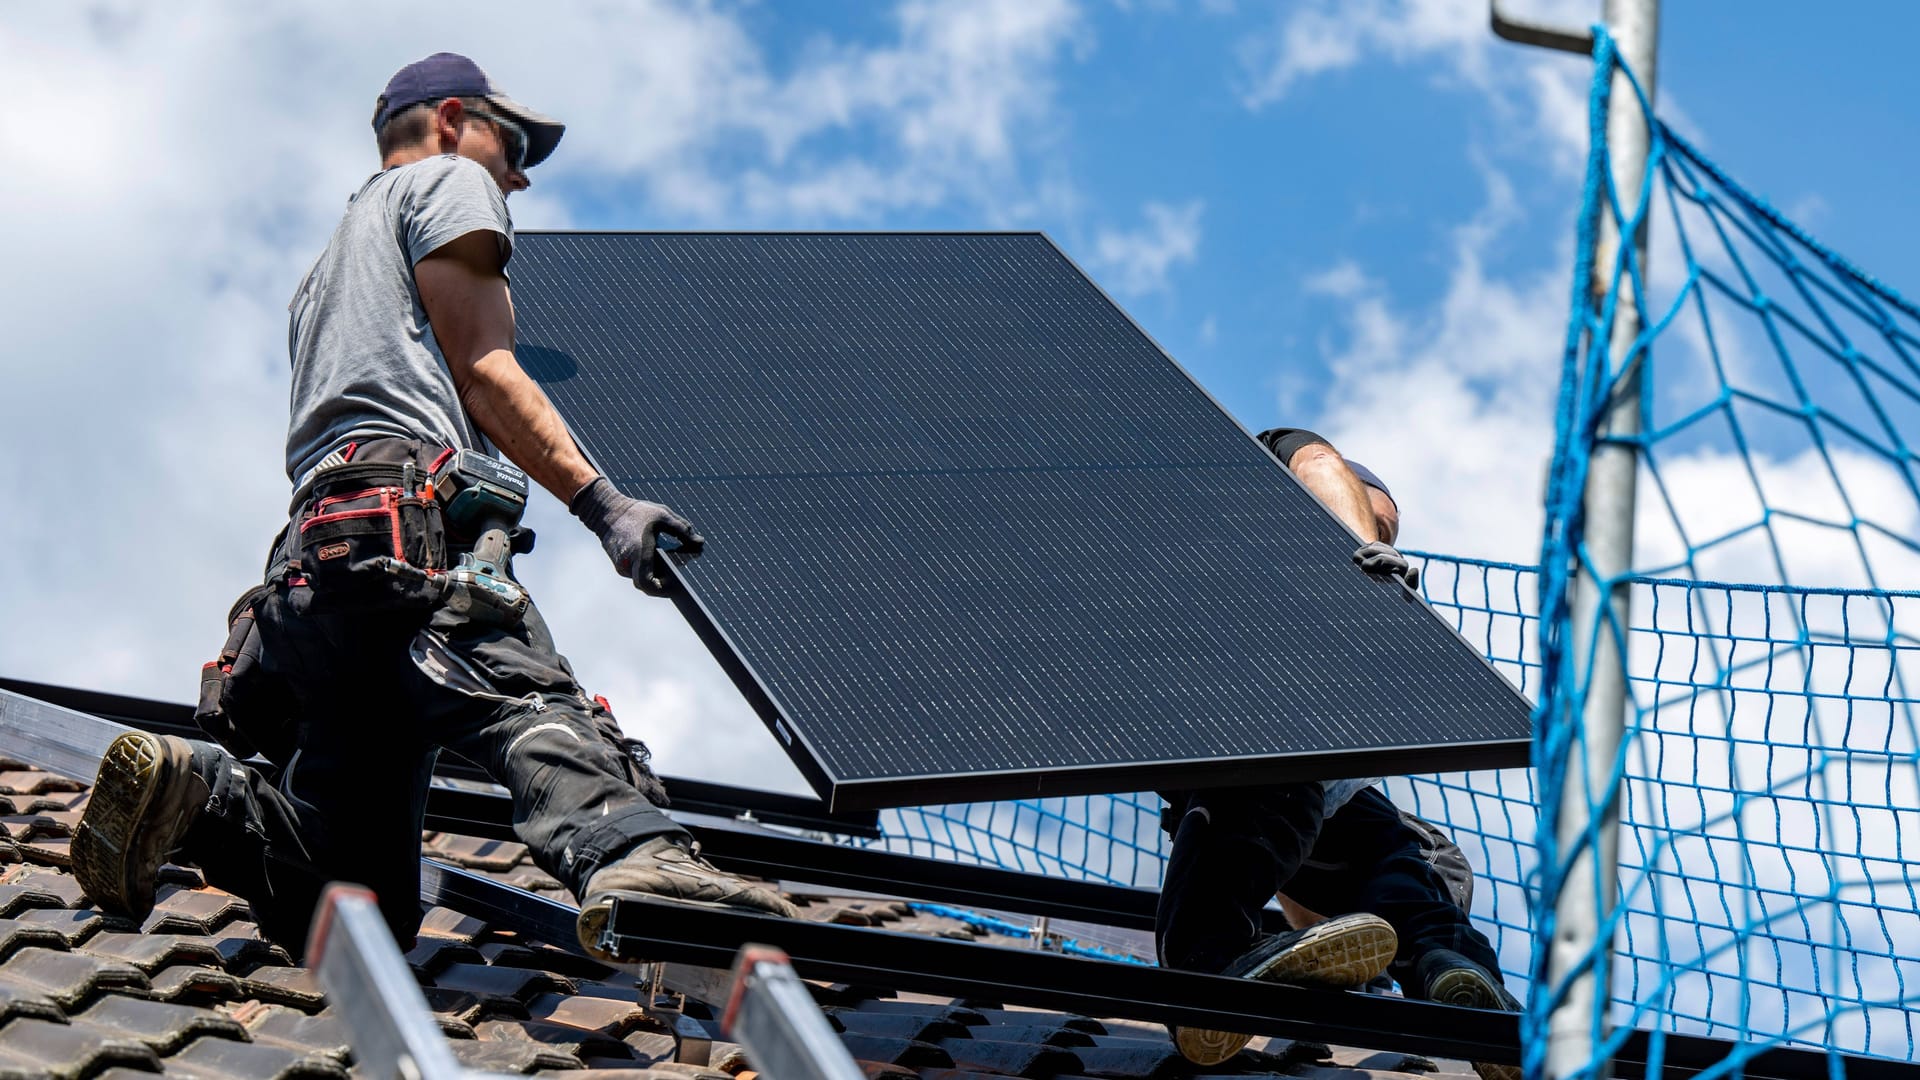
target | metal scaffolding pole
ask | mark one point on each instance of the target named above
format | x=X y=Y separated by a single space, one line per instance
x=1579 y=956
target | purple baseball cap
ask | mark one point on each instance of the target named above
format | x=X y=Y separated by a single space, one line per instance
x=445 y=75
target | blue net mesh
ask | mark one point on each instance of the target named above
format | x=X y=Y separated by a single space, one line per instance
x=1769 y=774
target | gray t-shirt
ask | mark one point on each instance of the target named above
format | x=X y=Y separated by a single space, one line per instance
x=365 y=362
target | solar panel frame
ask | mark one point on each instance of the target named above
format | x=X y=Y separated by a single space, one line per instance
x=844 y=792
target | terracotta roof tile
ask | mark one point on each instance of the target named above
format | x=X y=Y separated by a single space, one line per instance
x=181 y=910
x=1037 y=1017
x=1141 y=1058
x=166 y=1028
x=465 y=1006
x=16 y=934
x=325 y=1035
x=246 y=950
x=1048 y=1034
x=294 y=986
x=431 y=954
x=686 y=1071
x=957 y=1013
x=543 y=958
x=224 y=1058
x=19 y=827
x=1381 y=1061
x=151 y=952
x=47 y=852
x=28 y=781
x=650 y=1047
x=881 y=1070
x=20 y=1001
x=42 y=1048
x=73 y=925
x=36 y=887
x=569 y=1040
x=188 y=983
x=519 y=985
x=511 y=1056
x=923 y=1026
x=608 y=1016
x=69 y=979
x=909 y=1052
x=445 y=923
x=474 y=853
x=1011 y=1058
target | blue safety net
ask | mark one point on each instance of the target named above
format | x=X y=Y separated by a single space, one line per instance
x=1767 y=779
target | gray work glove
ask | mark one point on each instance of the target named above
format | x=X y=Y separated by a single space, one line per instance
x=1382 y=559
x=630 y=529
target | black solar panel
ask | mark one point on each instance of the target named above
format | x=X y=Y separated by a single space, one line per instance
x=972 y=535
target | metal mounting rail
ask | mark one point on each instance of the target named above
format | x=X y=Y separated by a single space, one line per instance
x=692 y=796
x=777 y=856
x=650 y=931
x=644 y=930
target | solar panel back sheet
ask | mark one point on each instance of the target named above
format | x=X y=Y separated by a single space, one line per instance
x=972 y=535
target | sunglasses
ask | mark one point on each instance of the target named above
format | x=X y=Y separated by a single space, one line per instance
x=513 y=138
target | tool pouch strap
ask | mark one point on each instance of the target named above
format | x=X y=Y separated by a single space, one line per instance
x=243 y=706
x=367 y=537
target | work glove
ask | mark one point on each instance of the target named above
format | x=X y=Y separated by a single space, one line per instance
x=1382 y=559
x=630 y=531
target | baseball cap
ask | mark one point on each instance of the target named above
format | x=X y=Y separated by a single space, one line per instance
x=445 y=75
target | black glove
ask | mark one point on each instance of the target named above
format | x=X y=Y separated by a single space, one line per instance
x=629 y=530
x=1383 y=560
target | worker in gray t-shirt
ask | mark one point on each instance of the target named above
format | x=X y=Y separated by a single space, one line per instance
x=389 y=626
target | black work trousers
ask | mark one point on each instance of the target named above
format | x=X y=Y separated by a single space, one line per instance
x=1373 y=856
x=370 y=723
x=1234 y=848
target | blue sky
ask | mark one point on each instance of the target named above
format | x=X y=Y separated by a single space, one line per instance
x=1355 y=216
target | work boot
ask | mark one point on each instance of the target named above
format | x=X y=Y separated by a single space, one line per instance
x=663 y=869
x=144 y=798
x=1451 y=979
x=1339 y=954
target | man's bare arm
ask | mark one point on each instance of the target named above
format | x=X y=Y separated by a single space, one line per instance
x=467 y=302
x=1325 y=473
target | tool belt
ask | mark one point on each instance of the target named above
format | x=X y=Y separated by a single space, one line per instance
x=366 y=532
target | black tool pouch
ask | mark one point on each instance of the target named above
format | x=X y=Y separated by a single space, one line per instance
x=366 y=542
x=243 y=706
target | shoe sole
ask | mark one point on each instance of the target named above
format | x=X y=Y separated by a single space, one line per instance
x=1470 y=989
x=1343 y=954
x=132 y=819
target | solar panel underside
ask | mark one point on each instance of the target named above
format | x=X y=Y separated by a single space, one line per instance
x=972 y=535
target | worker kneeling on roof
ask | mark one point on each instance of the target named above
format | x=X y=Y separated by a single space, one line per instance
x=389 y=624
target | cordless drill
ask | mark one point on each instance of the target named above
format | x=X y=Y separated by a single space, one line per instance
x=482 y=497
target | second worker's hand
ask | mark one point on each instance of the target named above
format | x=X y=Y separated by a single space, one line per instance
x=1382 y=559
x=631 y=531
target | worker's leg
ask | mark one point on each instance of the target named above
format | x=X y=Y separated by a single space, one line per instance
x=506 y=700
x=1232 y=849
x=349 y=804
x=1372 y=857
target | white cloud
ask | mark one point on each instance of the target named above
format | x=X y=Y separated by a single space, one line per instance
x=1136 y=262
x=1541 y=93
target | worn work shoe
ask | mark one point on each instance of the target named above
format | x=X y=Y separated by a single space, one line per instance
x=1451 y=979
x=662 y=869
x=1339 y=954
x=143 y=800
